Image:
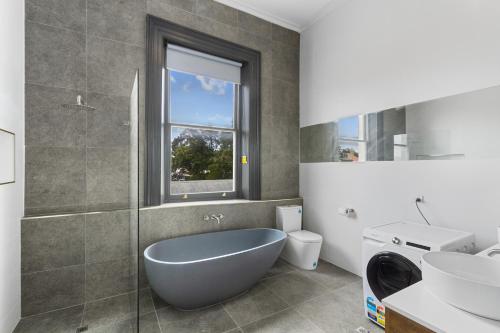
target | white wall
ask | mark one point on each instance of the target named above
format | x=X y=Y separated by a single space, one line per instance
x=371 y=55
x=11 y=195
x=465 y=124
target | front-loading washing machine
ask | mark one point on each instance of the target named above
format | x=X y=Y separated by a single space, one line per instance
x=391 y=258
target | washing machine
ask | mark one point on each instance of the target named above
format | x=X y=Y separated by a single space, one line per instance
x=391 y=258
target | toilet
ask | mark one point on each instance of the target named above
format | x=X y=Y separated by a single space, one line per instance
x=302 y=247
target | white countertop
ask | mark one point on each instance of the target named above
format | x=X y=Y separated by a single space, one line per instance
x=419 y=305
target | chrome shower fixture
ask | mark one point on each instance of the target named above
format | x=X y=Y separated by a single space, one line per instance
x=80 y=105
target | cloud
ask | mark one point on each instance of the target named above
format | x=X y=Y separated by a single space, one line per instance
x=215 y=86
x=186 y=87
x=220 y=120
x=172 y=79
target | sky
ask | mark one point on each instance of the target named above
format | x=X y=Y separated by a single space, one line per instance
x=199 y=100
x=348 y=127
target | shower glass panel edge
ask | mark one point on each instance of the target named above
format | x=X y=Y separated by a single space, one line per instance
x=134 y=183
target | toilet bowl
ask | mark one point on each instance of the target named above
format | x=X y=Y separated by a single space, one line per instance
x=302 y=247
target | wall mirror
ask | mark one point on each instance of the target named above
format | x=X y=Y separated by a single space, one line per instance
x=7 y=157
x=465 y=126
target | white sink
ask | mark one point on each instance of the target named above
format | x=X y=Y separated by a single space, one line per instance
x=468 y=282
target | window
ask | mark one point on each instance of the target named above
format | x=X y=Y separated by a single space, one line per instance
x=352 y=141
x=202 y=117
x=201 y=128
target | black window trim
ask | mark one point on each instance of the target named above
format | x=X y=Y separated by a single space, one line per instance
x=161 y=32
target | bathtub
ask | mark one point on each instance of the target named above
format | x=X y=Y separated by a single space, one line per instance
x=199 y=270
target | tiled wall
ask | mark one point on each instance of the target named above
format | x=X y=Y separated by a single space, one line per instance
x=78 y=258
x=76 y=161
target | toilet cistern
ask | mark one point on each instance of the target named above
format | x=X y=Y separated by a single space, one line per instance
x=302 y=247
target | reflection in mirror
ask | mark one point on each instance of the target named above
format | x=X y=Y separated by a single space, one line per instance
x=465 y=126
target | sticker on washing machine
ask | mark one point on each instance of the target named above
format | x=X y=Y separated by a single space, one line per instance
x=381 y=315
x=372 y=316
x=371 y=306
x=381 y=310
x=381 y=320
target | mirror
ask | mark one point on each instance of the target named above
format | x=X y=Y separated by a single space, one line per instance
x=465 y=126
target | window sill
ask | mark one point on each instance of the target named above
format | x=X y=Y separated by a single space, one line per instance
x=209 y=203
x=198 y=203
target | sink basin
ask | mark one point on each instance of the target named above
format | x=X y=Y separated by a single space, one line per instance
x=468 y=282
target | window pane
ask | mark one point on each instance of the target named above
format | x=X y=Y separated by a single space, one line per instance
x=351 y=151
x=351 y=128
x=200 y=100
x=202 y=161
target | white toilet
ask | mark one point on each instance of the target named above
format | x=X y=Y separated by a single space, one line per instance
x=302 y=246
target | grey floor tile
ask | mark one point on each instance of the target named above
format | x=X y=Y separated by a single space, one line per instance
x=61 y=321
x=280 y=267
x=158 y=302
x=213 y=319
x=340 y=311
x=331 y=276
x=148 y=323
x=57 y=13
x=113 y=310
x=52 y=242
x=124 y=326
x=294 y=287
x=256 y=304
x=52 y=290
x=287 y=321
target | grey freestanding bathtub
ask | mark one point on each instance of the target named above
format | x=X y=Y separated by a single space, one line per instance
x=199 y=270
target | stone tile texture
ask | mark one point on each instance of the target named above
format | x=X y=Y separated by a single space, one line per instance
x=77 y=161
x=339 y=308
x=93 y=48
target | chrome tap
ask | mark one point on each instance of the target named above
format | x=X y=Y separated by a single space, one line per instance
x=217 y=217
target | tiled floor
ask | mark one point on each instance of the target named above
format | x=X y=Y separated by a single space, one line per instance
x=287 y=300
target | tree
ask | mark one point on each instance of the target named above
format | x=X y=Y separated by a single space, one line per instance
x=203 y=154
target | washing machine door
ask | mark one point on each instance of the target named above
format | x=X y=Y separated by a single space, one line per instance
x=390 y=272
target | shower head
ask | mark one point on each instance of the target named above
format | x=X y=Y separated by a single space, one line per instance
x=79 y=106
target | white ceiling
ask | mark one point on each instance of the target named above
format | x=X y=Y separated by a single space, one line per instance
x=297 y=15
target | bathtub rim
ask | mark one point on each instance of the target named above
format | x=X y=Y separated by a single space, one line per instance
x=146 y=256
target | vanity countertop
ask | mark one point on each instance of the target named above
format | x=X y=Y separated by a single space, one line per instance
x=419 y=305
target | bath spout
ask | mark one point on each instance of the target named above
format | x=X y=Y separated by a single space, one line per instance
x=218 y=217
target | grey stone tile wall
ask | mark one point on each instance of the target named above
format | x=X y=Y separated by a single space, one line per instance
x=77 y=161
x=73 y=259
x=92 y=48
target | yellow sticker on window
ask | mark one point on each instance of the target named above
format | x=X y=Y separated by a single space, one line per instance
x=244 y=159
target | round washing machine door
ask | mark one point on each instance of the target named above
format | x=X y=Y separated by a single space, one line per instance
x=389 y=272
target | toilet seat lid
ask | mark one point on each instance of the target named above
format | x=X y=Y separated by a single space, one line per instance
x=305 y=236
